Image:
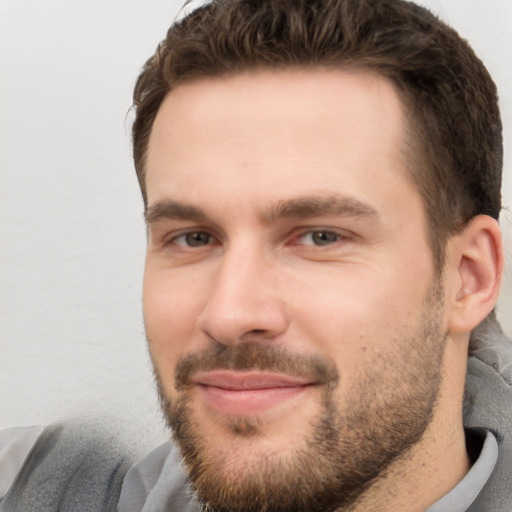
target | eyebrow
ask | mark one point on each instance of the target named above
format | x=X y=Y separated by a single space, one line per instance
x=173 y=210
x=299 y=208
x=316 y=206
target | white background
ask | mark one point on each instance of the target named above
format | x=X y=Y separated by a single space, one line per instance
x=71 y=231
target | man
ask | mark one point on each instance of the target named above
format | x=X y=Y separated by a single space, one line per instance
x=321 y=182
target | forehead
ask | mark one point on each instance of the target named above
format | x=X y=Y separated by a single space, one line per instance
x=298 y=96
x=278 y=130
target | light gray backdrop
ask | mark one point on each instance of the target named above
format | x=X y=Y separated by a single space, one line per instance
x=71 y=229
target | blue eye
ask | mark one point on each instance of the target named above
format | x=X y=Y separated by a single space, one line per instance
x=320 y=238
x=193 y=239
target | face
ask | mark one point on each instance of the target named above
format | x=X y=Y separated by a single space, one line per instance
x=292 y=313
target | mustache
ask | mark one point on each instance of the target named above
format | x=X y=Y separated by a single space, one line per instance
x=255 y=356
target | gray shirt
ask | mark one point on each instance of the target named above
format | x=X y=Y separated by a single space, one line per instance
x=460 y=498
x=157 y=483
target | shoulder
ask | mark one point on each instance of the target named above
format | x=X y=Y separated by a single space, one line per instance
x=15 y=445
x=157 y=483
x=68 y=467
x=490 y=345
x=488 y=406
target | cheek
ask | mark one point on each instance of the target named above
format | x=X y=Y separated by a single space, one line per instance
x=171 y=310
x=352 y=316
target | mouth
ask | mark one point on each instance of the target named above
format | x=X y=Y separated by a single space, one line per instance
x=247 y=393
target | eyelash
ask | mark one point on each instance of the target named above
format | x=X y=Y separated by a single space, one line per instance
x=331 y=237
x=188 y=234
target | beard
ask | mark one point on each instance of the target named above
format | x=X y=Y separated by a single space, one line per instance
x=347 y=446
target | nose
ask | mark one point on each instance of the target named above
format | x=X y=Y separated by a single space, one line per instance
x=244 y=303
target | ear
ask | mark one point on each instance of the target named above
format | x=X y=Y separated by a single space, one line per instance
x=476 y=259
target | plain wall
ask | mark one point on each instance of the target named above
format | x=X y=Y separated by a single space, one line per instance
x=72 y=237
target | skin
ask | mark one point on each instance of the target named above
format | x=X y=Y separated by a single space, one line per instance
x=289 y=221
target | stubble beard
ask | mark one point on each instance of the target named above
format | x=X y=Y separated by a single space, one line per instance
x=345 y=450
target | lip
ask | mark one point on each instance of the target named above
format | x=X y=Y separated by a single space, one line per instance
x=247 y=393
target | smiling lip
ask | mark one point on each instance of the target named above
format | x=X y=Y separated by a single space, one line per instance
x=244 y=393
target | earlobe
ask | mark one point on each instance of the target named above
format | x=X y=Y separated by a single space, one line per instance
x=477 y=255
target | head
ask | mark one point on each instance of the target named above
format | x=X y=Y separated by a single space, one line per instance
x=318 y=179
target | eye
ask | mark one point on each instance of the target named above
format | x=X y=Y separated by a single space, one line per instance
x=193 y=239
x=320 y=238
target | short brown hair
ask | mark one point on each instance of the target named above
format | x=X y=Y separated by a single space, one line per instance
x=450 y=98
